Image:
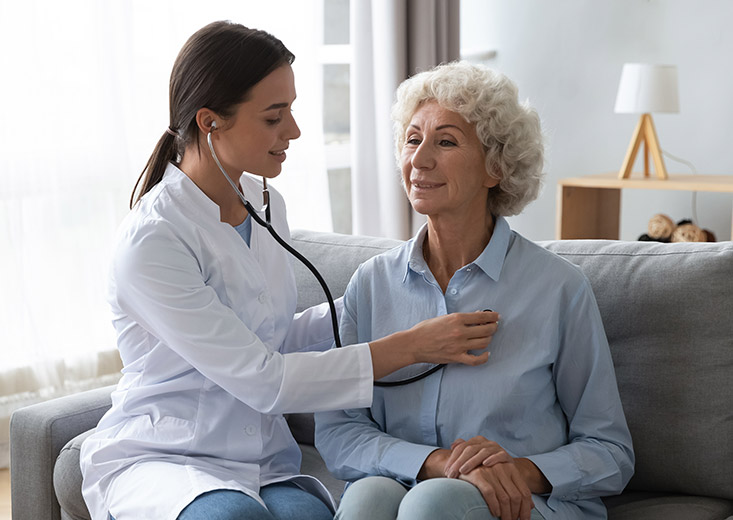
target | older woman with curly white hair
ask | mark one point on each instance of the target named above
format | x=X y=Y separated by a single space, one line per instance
x=537 y=432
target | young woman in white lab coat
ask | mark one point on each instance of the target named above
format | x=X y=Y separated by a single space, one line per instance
x=204 y=307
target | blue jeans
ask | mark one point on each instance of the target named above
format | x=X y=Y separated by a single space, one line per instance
x=382 y=498
x=285 y=501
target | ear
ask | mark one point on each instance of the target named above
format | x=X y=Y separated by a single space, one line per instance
x=492 y=180
x=205 y=117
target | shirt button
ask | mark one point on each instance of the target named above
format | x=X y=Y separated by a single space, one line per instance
x=250 y=430
x=262 y=298
x=453 y=291
x=468 y=269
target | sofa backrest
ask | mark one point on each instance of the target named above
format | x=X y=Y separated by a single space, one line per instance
x=668 y=314
x=336 y=256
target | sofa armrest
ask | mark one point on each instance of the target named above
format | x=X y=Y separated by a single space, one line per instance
x=37 y=435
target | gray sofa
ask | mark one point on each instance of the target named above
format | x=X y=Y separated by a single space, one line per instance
x=668 y=312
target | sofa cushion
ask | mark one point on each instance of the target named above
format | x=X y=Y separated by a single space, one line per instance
x=668 y=314
x=67 y=480
x=67 y=476
x=655 y=506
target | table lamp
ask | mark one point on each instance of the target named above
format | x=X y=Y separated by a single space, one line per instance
x=644 y=89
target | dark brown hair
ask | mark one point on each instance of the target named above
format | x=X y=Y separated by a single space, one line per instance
x=216 y=69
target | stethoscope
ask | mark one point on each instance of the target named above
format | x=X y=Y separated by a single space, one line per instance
x=266 y=223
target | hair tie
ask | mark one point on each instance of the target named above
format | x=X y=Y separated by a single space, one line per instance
x=172 y=132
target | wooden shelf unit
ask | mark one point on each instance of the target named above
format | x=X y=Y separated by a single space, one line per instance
x=590 y=206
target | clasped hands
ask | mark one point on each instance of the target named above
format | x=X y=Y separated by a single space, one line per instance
x=504 y=481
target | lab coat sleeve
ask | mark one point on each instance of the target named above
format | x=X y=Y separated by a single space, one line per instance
x=352 y=443
x=599 y=459
x=159 y=283
x=311 y=330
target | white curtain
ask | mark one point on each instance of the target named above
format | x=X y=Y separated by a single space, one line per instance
x=391 y=40
x=85 y=98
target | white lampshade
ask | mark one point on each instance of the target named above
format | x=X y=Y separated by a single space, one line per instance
x=647 y=88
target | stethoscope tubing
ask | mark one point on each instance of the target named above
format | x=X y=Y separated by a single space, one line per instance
x=266 y=223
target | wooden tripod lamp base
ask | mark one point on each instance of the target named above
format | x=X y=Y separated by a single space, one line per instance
x=644 y=132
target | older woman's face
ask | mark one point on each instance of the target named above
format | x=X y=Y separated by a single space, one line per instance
x=443 y=164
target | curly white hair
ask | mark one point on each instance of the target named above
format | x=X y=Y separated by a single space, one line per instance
x=509 y=130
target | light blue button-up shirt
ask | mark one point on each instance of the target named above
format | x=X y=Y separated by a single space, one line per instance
x=548 y=391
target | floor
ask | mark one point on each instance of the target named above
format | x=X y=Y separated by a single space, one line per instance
x=4 y=494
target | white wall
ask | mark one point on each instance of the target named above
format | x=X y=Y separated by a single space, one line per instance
x=566 y=58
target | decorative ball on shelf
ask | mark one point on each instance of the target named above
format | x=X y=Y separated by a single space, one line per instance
x=663 y=229
x=688 y=232
x=660 y=227
x=709 y=236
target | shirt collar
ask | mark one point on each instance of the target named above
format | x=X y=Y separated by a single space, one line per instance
x=178 y=181
x=415 y=260
x=490 y=261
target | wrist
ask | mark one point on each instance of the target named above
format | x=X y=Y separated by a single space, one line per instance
x=408 y=348
x=533 y=477
x=434 y=465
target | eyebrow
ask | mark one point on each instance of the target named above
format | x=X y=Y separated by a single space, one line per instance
x=276 y=105
x=441 y=127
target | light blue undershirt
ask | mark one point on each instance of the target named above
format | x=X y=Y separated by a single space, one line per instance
x=245 y=229
x=548 y=391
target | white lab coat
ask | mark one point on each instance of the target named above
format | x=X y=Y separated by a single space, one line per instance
x=207 y=336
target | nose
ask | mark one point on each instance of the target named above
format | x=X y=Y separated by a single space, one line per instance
x=423 y=157
x=292 y=130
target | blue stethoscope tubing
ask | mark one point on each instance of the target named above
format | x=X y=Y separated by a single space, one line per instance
x=268 y=225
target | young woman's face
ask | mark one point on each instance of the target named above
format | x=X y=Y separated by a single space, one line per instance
x=443 y=164
x=254 y=140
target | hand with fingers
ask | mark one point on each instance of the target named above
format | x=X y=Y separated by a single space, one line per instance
x=504 y=490
x=473 y=453
x=449 y=338
x=505 y=482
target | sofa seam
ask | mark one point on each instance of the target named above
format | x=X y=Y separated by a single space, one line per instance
x=352 y=246
x=669 y=253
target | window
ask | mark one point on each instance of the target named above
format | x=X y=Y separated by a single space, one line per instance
x=85 y=97
x=336 y=111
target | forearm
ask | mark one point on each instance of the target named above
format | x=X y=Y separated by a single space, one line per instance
x=391 y=353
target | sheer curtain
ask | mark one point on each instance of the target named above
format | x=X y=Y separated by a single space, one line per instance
x=85 y=99
x=392 y=39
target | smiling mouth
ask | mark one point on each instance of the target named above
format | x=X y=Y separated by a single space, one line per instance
x=425 y=185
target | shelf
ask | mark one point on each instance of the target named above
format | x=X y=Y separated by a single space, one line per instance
x=718 y=183
x=590 y=206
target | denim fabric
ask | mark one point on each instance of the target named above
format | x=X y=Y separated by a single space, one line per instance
x=285 y=501
x=382 y=498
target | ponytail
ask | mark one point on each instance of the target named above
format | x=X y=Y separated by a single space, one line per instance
x=165 y=151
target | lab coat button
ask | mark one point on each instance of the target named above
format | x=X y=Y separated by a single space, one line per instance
x=250 y=430
x=262 y=298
